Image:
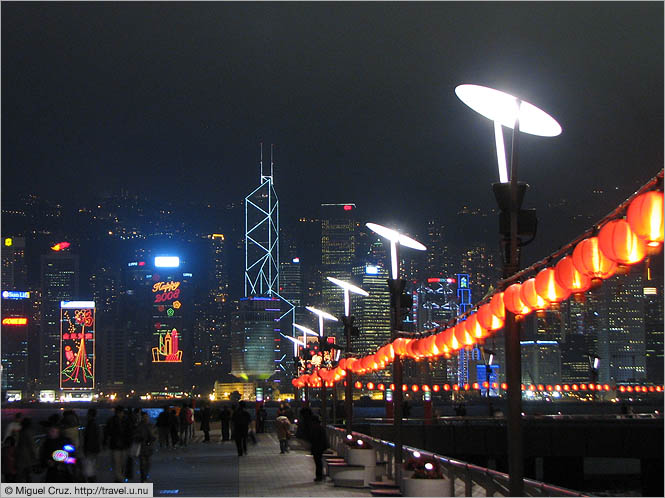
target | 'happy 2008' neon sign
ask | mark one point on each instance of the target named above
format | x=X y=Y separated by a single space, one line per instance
x=166 y=291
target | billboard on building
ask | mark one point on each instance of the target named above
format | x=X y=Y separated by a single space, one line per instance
x=167 y=312
x=77 y=345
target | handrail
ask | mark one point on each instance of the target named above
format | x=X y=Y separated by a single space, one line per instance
x=492 y=481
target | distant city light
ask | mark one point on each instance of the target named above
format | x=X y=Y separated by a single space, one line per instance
x=76 y=304
x=650 y=291
x=372 y=270
x=167 y=261
x=296 y=260
x=348 y=207
x=60 y=246
x=9 y=241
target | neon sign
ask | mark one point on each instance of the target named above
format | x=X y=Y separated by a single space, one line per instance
x=60 y=246
x=168 y=291
x=15 y=295
x=77 y=345
x=9 y=241
x=168 y=350
x=15 y=321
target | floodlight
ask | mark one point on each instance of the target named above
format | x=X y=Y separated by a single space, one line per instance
x=505 y=109
x=294 y=340
x=305 y=330
x=395 y=238
x=167 y=261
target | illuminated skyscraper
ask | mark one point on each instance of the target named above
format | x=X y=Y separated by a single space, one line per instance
x=16 y=322
x=541 y=362
x=14 y=269
x=60 y=282
x=653 y=323
x=372 y=313
x=338 y=249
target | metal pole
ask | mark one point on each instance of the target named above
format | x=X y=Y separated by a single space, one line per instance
x=396 y=287
x=348 y=390
x=324 y=395
x=512 y=340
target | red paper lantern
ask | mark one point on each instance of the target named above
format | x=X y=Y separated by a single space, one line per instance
x=645 y=217
x=462 y=336
x=568 y=276
x=619 y=243
x=487 y=319
x=531 y=298
x=474 y=329
x=590 y=260
x=497 y=306
x=513 y=300
x=548 y=288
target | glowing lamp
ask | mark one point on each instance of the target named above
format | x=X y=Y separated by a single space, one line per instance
x=462 y=336
x=436 y=388
x=487 y=319
x=513 y=300
x=569 y=277
x=474 y=329
x=619 y=243
x=405 y=387
x=429 y=466
x=358 y=385
x=451 y=340
x=590 y=260
x=467 y=387
x=395 y=239
x=399 y=346
x=530 y=297
x=425 y=387
x=606 y=387
x=446 y=387
x=645 y=217
x=455 y=387
x=583 y=387
x=486 y=385
x=415 y=388
x=651 y=389
x=532 y=387
x=497 y=306
x=540 y=387
x=475 y=386
x=381 y=387
x=548 y=288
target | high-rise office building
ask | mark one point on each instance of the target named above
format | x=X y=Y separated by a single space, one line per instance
x=16 y=322
x=439 y=253
x=372 y=313
x=338 y=250
x=541 y=362
x=653 y=321
x=59 y=282
x=14 y=268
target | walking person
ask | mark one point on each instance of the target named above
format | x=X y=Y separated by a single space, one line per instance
x=70 y=426
x=14 y=427
x=116 y=437
x=91 y=446
x=174 y=425
x=146 y=435
x=9 y=470
x=56 y=470
x=225 y=417
x=26 y=452
x=240 y=421
x=261 y=417
x=283 y=426
x=319 y=445
x=183 y=425
x=205 y=423
x=163 y=428
x=132 y=421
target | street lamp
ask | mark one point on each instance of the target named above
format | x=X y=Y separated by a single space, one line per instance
x=324 y=395
x=347 y=320
x=396 y=286
x=594 y=365
x=512 y=112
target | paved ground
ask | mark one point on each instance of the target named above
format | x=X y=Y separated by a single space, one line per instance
x=214 y=469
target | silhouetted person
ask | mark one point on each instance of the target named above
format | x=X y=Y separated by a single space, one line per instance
x=304 y=423
x=205 y=423
x=261 y=417
x=91 y=446
x=163 y=428
x=117 y=435
x=406 y=409
x=26 y=453
x=56 y=471
x=241 y=419
x=146 y=436
x=317 y=437
x=225 y=417
x=173 y=427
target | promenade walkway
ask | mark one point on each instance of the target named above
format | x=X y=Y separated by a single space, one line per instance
x=214 y=469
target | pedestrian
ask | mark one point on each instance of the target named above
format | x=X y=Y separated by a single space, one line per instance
x=205 y=423
x=319 y=443
x=91 y=446
x=26 y=453
x=225 y=417
x=251 y=432
x=9 y=470
x=70 y=426
x=13 y=428
x=146 y=435
x=304 y=423
x=163 y=428
x=189 y=419
x=283 y=426
x=117 y=438
x=240 y=420
x=57 y=469
x=491 y=409
x=173 y=427
x=183 y=424
x=132 y=423
x=261 y=417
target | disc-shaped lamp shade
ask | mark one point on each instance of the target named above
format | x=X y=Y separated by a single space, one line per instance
x=395 y=236
x=318 y=312
x=590 y=260
x=498 y=306
x=645 y=216
x=619 y=243
x=548 y=288
x=348 y=286
x=568 y=276
x=305 y=330
x=502 y=108
x=487 y=319
x=513 y=300
x=531 y=298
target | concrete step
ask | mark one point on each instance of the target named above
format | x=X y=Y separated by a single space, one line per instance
x=386 y=492
x=383 y=484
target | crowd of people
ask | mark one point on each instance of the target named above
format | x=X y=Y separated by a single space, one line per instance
x=70 y=449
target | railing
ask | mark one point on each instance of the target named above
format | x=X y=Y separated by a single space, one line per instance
x=472 y=476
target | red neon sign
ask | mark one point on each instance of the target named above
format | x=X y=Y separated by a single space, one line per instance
x=77 y=348
x=15 y=321
x=60 y=246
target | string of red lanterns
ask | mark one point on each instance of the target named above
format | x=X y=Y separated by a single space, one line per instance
x=619 y=243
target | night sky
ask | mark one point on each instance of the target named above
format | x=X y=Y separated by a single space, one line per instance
x=172 y=99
